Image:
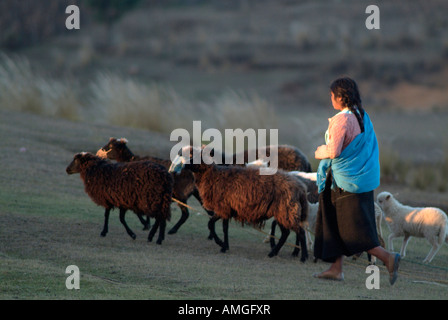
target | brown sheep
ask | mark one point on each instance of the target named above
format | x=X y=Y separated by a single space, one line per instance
x=183 y=188
x=248 y=197
x=143 y=187
x=289 y=158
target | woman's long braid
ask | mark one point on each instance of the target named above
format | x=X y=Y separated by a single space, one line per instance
x=347 y=89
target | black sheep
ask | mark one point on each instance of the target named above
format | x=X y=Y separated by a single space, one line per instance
x=289 y=158
x=183 y=188
x=143 y=187
x=246 y=196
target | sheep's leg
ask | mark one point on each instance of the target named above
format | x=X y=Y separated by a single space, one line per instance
x=225 y=229
x=435 y=248
x=211 y=214
x=123 y=222
x=183 y=218
x=162 y=226
x=404 y=245
x=309 y=240
x=106 y=222
x=146 y=223
x=295 y=252
x=372 y=260
x=211 y=226
x=281 y=242
x=153 y=230
x=379 y=218
x=272 y=237
x=301 y=243
x=390 y=242
x=431 y=253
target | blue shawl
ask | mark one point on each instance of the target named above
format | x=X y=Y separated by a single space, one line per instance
x=357 y=168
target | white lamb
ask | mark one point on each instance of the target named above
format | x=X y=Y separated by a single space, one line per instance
x=429 y=223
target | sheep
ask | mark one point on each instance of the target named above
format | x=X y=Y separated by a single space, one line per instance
x=307 y=177
x=143 y=187
x=407 y=221
x=183 y=188
x=248 y=197
x=289 y=158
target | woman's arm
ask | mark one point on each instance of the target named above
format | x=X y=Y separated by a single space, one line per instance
x=337 y=131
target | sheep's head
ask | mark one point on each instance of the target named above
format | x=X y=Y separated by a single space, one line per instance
x=184 y=158
x=384 y=199
x=115 y=149
x=257 y=163
x=79 y=161
x=192 y=158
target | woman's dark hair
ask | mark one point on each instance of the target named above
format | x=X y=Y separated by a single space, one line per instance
x=347 y=89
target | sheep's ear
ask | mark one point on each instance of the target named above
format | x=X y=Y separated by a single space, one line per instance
x=112 y=139
x=388 y=197
x=79 y=155
x=123 y=140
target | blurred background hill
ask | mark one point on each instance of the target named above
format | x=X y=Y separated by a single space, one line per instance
x=289 y=50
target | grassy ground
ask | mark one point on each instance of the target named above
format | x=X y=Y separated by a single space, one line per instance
x=47 y=223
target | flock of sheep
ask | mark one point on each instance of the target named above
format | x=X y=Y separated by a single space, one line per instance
x=116 y=178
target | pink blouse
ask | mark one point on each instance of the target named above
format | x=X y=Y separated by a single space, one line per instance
x=343 y=128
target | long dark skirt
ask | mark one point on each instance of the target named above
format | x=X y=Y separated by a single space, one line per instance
x=345 y=223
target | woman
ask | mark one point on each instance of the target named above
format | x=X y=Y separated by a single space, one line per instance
x=348 y=173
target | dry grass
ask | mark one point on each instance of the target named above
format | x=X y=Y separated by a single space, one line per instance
x=129 y=103
x=115 y=100
x=21 y=89
x=160 y=108
x=423 y=176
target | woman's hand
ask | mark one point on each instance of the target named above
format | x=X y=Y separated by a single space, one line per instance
x=321 y=152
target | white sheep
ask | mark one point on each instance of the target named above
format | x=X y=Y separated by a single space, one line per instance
x=430 y=223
